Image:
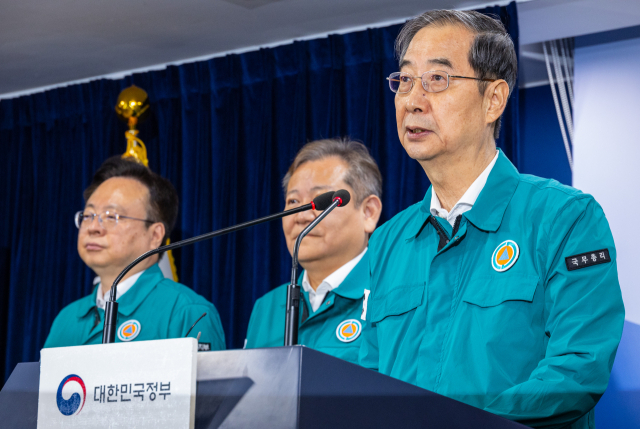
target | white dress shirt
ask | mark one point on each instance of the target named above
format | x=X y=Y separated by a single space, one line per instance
x=330 y=283
x=123 y=287
x=468 y=199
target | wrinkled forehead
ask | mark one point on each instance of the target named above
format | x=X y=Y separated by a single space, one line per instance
x=319 y=175
x=439 y=47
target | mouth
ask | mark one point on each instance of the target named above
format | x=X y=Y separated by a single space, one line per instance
x=310 y=235
x=93 y=247
x=417 y=131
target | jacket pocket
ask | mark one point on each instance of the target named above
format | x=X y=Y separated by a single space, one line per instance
x=399 y=300
x=494 y=290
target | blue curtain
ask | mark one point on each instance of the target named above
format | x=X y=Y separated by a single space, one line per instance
x=224 y=131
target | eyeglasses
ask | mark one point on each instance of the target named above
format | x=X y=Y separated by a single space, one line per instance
x=107 y=220
x=432 y=81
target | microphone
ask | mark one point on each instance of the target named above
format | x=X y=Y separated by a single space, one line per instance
x=340 y=199
x=321 y=202
x=194 y=325
x=343 y=196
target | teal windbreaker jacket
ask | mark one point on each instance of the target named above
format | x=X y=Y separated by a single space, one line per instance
x=154 y=308
x=519 y=313
x=335 y=328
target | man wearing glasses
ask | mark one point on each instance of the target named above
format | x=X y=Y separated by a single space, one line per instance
x=130 y=210
x=499 y=289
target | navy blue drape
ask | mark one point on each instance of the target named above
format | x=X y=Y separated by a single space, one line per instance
x=224 y=131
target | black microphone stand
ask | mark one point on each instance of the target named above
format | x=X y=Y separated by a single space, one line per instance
x=111 y=307
x=293 y=290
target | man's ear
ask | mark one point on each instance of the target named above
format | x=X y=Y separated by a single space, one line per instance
x=495 y=100
x=371 y=208
x=157 y=234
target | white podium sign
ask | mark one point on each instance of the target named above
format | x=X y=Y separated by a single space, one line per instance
x=145 y=384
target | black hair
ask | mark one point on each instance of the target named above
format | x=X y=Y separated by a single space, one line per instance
x=163 y=198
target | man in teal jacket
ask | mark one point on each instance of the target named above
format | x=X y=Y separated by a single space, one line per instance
x=334 y=255
x=154 y=308
x=130 y=210
x=499 y=289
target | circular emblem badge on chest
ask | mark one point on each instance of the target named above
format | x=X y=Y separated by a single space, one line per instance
x=129 y=330
x=348 y=330
x=505 y=255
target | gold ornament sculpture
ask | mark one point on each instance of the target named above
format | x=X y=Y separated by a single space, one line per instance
x=131 y=107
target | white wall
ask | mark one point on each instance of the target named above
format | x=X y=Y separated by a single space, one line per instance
x=607 y=149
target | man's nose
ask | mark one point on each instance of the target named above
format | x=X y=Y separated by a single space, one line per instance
x=306 y=216
x=417 y=99
x=95 y=226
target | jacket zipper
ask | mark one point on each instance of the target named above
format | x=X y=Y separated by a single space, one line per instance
x=444 y=237
x=456 y=225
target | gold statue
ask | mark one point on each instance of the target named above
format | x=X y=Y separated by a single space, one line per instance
x=131 y=107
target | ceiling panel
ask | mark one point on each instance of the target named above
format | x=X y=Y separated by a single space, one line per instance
x=45 y=43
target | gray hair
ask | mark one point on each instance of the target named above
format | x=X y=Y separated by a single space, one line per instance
x=492 y=54
x=363 y=175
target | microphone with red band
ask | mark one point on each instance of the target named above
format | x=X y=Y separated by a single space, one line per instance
x=342 y=196
x=339 y=199
x=321 y=202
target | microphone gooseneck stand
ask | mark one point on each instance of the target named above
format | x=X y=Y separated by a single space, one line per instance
x=321 y=202
x=340 y=198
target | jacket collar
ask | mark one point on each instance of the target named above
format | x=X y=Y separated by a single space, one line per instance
x=419 y=221
x=488 y=211
x=490 y=206
x=353 y=286
x=86 y=304
x=128 y=302
x=140 y=290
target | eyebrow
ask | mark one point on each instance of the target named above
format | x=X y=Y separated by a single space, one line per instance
x=110 y=206
x=315 y=188
x=405 y=63
x=438 y=61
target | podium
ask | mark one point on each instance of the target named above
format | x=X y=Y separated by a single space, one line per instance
x=285 y=387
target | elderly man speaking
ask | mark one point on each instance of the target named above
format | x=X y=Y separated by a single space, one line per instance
x=499 y=289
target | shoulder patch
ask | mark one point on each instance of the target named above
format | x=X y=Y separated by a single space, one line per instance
x=588 y=259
